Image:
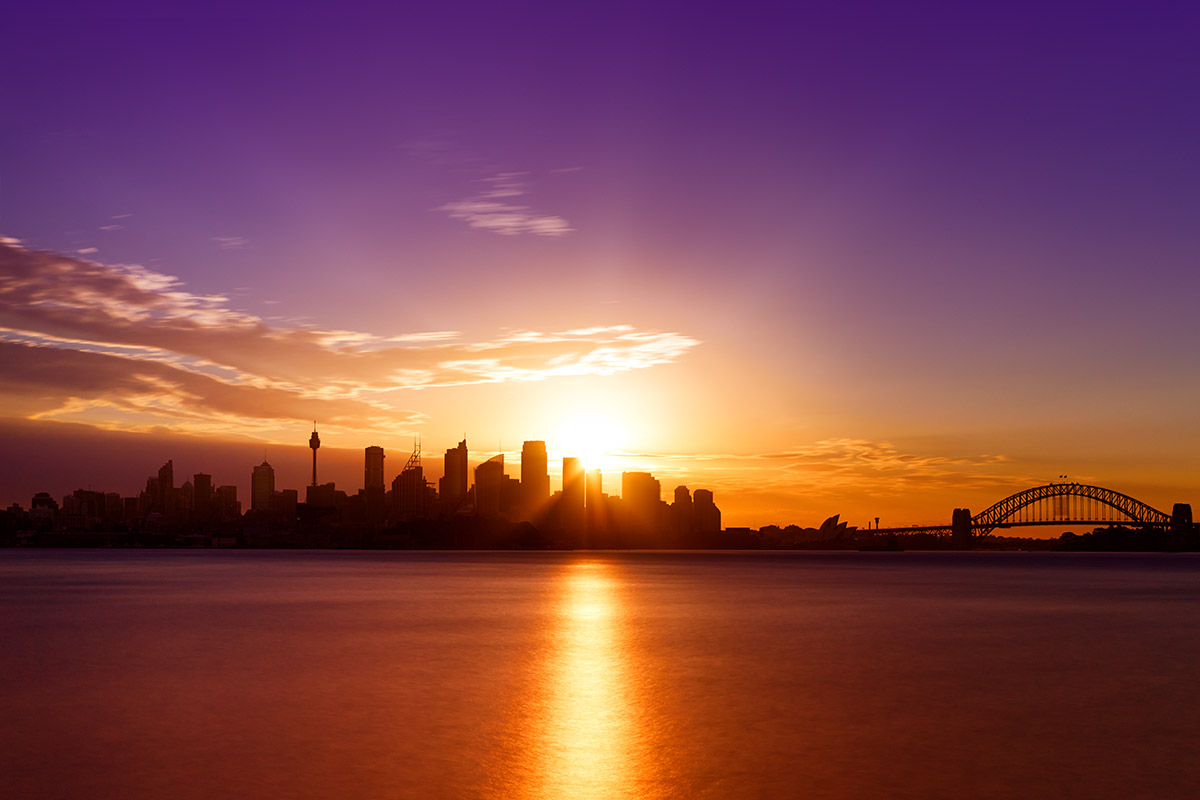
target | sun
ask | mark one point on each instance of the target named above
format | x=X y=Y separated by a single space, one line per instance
x=590 y=438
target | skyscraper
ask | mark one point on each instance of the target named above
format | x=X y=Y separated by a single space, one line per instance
x=535 y=480
x=593 y=488
x=262 y=486
x=641 y=496
x=373 y=468
x=228 y=507
x=453 y=485
x=166 y=487
x=707 y=515
x=374 y=489
x=682 y=515
x=203 y=501
x=571 y=505
x=409 y=494
x=489 y=477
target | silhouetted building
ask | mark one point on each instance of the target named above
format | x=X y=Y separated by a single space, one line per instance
x=185 y=498
x=114 y=508
x=262 y=486
x=571 y=505
x=373 y=468
x=489 y=477
x=452 y=488
x=283 y=505
x=228 y=507
x=323 y=495
x=511 y=498
x=707 y=515
x=410 y=494
x=683 y=514
x=374 y=489
x=166 y=488
x=535 y=479
x=641 y=497
x=148 y=499
x=593 y=488
x=43 y=510
x=202 y=500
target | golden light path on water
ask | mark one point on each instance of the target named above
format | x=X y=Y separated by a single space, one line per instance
x=581 y=740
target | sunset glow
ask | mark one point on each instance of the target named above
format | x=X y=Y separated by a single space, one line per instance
x=593 y=439
x=778 y=256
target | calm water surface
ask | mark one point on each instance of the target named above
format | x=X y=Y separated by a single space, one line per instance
x=127 y=674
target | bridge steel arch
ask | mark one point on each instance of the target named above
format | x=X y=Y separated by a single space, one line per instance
x=989 y=519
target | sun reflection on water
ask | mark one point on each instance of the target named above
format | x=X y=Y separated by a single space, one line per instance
x=581 y=741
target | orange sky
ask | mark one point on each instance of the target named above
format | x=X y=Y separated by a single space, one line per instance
x=877 y=261
x=89 y=346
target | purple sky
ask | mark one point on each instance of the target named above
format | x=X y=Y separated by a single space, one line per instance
x=958 y=230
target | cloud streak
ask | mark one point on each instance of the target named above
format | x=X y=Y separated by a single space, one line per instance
x=831 y=467
x=121 y=346
x=493 y=209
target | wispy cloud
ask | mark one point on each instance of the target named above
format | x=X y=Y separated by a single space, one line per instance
x=835 y=467
x=493 y=209
x=122 y=346
x=231 y=242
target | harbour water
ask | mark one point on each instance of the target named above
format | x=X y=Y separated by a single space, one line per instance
x=314 y=674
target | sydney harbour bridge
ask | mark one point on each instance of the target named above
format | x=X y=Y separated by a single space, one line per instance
x=1055 y=504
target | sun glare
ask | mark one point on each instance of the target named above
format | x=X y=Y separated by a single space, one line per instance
x=590 y=438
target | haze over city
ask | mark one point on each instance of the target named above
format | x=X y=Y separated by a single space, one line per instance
x=871 y=260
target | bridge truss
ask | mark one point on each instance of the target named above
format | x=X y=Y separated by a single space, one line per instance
x=1056 y=504
x=1067 y=504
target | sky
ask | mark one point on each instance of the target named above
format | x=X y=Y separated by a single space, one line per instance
x=878 y=259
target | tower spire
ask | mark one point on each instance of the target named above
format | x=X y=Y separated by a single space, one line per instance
x=314 y=442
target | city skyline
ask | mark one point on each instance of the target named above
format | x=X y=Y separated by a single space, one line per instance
x=871 y=260
x=535 y=484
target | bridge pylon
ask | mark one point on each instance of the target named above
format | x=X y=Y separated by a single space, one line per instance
x=961 y=529
x=1181 y=518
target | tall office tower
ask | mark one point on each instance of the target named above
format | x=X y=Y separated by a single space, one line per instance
x=641 y=496
x=535 y=480
x=593 y=489
x=595 y=511
x=408 y=489
x=571 y=505
x=262 y=486
x=708 y=516
x=228 y=507
x=202 y=488
x=489 y=477
x=409 y=494
x=374 y=489
x=682 y=514
x=453 y=485
x=283 y=504
x=185 y=498
x=148 y=498
x=314 y=442
x=373 y=468
x=166 y=487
